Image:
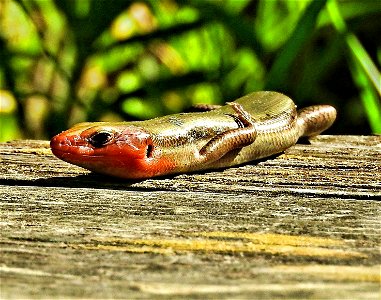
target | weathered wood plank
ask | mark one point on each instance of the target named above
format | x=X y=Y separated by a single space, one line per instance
x=302 y=225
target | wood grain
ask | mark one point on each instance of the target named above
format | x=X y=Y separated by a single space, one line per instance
x=304 y=224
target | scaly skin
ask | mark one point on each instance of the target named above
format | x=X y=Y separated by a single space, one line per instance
x=255 y=126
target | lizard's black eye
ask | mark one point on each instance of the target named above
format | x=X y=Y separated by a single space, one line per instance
x=101 y=138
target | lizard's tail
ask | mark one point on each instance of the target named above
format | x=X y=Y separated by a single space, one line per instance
x=315 y=119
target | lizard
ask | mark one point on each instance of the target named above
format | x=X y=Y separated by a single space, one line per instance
x=254 y=126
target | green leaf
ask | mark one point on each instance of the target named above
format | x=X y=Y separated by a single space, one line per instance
x=302 y=33
x=364 y=72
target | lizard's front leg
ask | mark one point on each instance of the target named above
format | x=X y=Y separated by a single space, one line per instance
x=232 y=139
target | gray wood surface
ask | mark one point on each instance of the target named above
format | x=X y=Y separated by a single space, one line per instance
x=304 y=224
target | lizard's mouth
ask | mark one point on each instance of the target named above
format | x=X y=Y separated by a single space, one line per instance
x=62 y=145
x=123 y=167
x=72 y=156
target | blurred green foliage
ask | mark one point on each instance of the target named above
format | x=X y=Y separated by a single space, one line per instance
x=64 y=61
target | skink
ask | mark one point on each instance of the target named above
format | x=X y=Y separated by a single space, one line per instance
x=255 y=126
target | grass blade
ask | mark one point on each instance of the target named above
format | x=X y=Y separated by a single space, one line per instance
x=364 y=72
x=303 y=31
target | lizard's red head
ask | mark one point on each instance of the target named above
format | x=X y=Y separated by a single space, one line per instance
x=117 y=150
